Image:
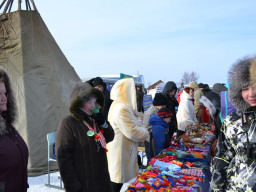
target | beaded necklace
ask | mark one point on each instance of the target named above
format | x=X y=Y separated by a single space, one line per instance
x=98 y=135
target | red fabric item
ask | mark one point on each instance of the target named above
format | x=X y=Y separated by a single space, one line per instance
x=206 y=118
x=178 y=96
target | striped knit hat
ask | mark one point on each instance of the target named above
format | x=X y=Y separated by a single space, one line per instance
x=164 y=113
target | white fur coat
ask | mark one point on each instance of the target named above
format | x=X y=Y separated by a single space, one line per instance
x=186 y=111
x=122 y=151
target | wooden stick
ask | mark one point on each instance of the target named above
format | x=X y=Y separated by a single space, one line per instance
x=28 y=5
x=19 y=5
x=7 y=5
x=2 y=4
x=10 y=7
x=34 y=6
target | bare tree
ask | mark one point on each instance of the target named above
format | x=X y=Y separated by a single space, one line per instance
x=194 y=76
x=185 y=78
x=189 y=77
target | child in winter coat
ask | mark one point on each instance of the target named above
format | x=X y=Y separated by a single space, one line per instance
x=159 y=138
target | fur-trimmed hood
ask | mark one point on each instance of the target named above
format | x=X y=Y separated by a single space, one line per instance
x=239 y=77
x=253 y=73
x=79 y=94
x=10 y=115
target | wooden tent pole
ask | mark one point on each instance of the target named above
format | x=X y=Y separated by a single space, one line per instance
x=19 y=5
x=34 y=6
x=7 y=5
x=2 y=4
x=27 y=5
x=10 y=7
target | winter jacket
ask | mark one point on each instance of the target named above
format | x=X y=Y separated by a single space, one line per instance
x=170 y=86
x=197 y=95
x=14 y=160
x=186 y=111
x=82 y=162
x=226 y=106
x=235 y=161
x=159 y=135
x=215 y=100
x=108 y=102
x=140 y=96
x=122 y=151
x=234 y=166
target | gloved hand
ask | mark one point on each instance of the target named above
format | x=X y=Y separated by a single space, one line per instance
x=99 y=118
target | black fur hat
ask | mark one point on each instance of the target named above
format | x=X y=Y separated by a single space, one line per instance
x=239 y=77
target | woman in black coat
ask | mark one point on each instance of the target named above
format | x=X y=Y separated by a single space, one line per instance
x=13 y=149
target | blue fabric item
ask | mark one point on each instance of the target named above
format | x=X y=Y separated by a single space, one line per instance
x=53 y=152
x=226 y=106
x=161 y=140
x=170 y=174
x=170 y=166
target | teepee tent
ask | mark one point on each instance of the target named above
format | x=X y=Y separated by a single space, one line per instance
x=41 y=76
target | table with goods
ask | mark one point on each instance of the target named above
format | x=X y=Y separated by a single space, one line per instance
x=182 y=167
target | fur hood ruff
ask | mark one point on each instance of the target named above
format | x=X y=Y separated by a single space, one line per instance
x=78 y=94
x=239 y=77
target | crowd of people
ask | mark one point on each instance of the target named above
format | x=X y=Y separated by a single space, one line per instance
x=97 y=143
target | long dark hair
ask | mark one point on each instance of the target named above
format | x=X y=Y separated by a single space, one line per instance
x=11 y=103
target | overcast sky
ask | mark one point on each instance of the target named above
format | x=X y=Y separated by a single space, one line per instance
x=160 y=39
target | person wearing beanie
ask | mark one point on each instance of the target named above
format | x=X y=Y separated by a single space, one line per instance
x=159 y=138
x=186 y=112
x=234 y=166
x=159 y=102
x=169 y=91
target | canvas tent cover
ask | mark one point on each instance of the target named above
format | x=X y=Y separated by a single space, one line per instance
x=42 y=80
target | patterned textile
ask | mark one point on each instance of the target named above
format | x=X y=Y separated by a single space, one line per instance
x=192 y=172
x=234 y=166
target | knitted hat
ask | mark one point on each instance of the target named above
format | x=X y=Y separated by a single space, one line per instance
x=160 y=99
x=164 y=113
x=98 y=81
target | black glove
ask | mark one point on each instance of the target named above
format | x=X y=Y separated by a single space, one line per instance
x=99 y=118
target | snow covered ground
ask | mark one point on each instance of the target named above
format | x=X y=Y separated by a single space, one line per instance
x=37 y=184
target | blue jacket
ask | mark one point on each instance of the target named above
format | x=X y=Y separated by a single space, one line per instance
x=159 y=139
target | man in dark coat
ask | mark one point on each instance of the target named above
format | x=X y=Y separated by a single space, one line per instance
x=139 y=96
x=80 y=143
x=169 y=91
x=215 y=100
